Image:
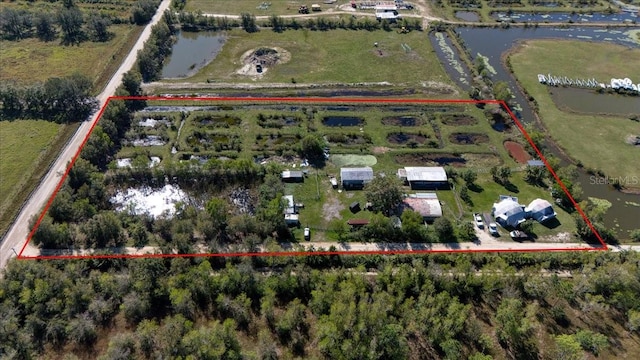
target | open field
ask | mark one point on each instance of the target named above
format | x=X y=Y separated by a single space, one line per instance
x=27 y=148
x=595 y=140
x=335 y=56
x=116 y=8
x=31 y=60
x=236 y=7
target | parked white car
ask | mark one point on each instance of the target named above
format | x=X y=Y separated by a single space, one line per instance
x=477 y=219
x=307 y=234
x=493 y=229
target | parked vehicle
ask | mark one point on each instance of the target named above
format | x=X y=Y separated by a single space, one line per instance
x=517 y=234
x=493 y=229
x=477 y=219
x=307 y=234
x=303 y=9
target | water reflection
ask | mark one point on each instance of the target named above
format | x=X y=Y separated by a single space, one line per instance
x=191 y=52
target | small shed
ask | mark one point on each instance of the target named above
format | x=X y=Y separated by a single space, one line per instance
x=354 y=207
x=356 y=223
x=315 y=7
x=540 y=210
x=535 y=163
x=292 y=176
x=355 y=178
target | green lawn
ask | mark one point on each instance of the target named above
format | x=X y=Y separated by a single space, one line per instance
x=27 y=147
x=596 y=141
x=236 y=7
x=31 y=60
x=343 y=56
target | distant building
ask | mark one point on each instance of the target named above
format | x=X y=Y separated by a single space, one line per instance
x=535 y=163
x=292 y=176
x=425 y=204
x=355 y=178
x=508 y=212
x=292 y=219
x=356 y=223
x=540 y=210
x=290 y=206
x=418 y=178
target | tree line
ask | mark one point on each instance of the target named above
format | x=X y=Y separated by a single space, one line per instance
x=61 y=100
x=193 y=21
x=68 y=23
x=472 y=306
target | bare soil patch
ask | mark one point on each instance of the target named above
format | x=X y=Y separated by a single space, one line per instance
x=633 y=140
x=517 y=151
x=401 y=138
x=458 y=119
x=256 y=62
x=401 y=121
x=331 y=208
x=468 y=138
x=380 y=150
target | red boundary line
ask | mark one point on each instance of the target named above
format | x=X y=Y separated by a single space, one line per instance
x=602 y=245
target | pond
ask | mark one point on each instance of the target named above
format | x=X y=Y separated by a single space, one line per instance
x=401 y=121
x=590 y=101
x=145 y=200
x=470 y=16
x=191 y=52
x=558 y=17
x=493 y=42
x=342 y=121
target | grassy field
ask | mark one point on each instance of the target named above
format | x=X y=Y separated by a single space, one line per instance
x=117 y=8
x=236 y=7
x=335 y=56
x=31 y=60
x=597 y=141
x=27 y=147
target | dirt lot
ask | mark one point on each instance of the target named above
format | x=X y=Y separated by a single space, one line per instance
x=517 y=152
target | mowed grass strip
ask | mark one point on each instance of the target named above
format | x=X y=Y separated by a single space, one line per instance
x=343 y=56
x=595 y=140
x=27 y=147
x=31 y=60
x=236 y=7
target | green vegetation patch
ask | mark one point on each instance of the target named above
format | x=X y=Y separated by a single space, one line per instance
x=30 y=60
x=23 y=147
x=606 y=148
x=344 y=160
x=330 y=56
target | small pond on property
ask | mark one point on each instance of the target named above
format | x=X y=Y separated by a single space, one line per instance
x=401 y=121
x=470 y=16
x=342 y=121
x=589 y=101
x=191 y=52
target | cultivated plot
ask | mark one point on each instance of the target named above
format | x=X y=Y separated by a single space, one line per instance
x=166 y=177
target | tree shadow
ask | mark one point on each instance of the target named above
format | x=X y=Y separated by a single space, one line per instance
x=511 y=187
x=551 y=223
x=475 y=188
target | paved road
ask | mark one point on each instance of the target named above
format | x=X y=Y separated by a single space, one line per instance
x=17 y=234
